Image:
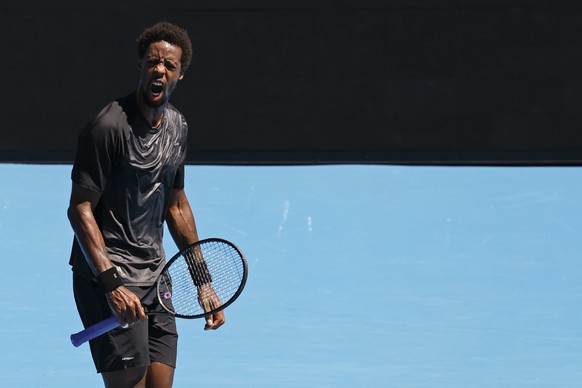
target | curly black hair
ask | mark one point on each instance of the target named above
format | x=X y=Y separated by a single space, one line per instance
x=170 y=33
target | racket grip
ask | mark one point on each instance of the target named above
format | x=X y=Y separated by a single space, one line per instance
x=94 y=331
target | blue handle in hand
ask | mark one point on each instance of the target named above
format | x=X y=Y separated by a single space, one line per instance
x=94 y=331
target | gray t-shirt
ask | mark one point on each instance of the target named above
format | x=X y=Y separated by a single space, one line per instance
x=134 y=167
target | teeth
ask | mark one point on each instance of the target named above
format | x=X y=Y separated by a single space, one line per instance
x=157 y=87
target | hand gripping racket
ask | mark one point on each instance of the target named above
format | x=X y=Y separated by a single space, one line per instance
x=214 y=261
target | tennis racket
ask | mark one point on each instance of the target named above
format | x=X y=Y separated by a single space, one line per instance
x=213 y=261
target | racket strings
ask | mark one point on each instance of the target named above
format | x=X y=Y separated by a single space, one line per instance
x=222 y=268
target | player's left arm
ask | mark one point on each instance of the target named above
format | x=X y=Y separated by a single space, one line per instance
x=182 y=227
x=180 y=220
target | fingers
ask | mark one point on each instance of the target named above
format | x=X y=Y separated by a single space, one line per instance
x=209 y=301
x=214 y=321
x=126 y=306
x=141 y=314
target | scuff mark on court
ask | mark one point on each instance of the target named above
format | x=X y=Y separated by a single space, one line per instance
x=286 y=207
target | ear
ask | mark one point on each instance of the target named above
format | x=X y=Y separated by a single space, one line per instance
x=181 y=76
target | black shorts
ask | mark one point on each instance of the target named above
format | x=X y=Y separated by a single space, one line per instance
x=151 y=340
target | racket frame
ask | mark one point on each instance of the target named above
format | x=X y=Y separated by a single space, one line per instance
x=177 y=256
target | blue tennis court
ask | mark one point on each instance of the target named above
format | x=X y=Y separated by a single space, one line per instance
x=377 y=276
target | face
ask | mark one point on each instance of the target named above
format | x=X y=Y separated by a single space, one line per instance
x=160 y=70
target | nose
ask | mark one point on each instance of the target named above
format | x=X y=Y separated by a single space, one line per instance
x=160 y=68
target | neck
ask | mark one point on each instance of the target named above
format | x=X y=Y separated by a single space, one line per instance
x=153 y=115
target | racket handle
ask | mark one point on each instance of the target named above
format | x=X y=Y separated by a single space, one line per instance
x=94 y=331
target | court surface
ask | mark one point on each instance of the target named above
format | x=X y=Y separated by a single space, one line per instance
x=360 y=276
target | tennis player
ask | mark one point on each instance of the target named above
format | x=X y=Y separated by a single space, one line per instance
x=128 y=179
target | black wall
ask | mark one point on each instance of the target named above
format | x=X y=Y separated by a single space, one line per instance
x=400 y=81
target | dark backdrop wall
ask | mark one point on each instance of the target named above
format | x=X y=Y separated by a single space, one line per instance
x=313 y=81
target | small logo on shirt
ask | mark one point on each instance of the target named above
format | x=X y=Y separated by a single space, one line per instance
x=127 y=358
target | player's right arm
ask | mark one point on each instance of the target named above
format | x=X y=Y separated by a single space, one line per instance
x=124 y=303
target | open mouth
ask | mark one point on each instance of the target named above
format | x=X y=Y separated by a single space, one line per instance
x=157 y=88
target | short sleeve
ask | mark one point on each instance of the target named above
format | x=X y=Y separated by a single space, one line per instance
x=97 y=151
x=180 y=178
